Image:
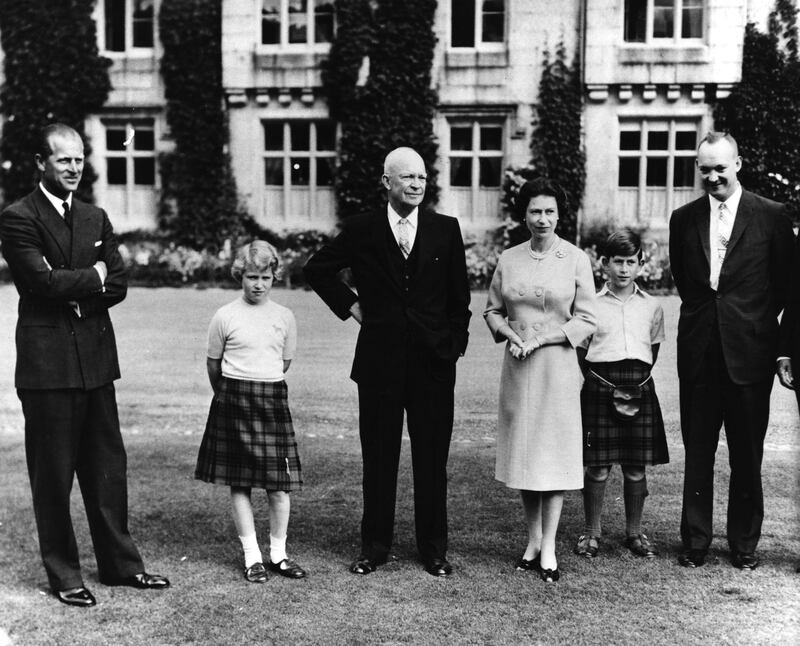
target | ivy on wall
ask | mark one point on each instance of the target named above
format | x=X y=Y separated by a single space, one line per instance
x=378 y=82
x=761 y=112
x=53 y=73
x=556 y=143
x=200 y=206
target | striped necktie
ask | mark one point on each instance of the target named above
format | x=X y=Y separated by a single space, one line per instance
x=402 y=237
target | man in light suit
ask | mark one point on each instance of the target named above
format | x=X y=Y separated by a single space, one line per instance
x=413 y=307
x=64 y=261
x=731 y=255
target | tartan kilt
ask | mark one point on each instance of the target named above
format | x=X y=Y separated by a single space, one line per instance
x=609 y=440
x=249 y=438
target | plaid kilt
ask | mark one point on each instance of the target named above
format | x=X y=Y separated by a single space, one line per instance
x=249 y=438
x=607 y=439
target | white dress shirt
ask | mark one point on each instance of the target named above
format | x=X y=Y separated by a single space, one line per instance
x=716 y=229
x=411 y=226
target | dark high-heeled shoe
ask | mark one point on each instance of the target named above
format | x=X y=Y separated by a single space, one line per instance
x=549 y=576
x=529 y=565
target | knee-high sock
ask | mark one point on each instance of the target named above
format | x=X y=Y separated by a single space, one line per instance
x=634 y=493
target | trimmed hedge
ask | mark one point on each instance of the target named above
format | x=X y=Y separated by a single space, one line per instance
x=53 y=73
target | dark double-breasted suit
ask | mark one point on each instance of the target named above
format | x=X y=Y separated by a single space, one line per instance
x=727 y=348
x=414 y=328
x=66 y=366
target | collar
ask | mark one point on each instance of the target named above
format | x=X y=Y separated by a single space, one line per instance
x=637 y=291
x=732 y=202
x=55 y=201
x=394 y=218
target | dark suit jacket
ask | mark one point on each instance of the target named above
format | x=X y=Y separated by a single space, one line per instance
x=52 y=266
x=790 y=322
x=752 y=287
x=433 y=315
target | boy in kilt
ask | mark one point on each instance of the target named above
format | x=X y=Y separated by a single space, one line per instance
x=622 y=422
x=249 y=438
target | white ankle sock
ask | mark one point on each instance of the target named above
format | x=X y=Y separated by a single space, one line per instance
x=252 y=553
x=277 y=549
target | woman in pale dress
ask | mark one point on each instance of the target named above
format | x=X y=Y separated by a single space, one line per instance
x=541 y=304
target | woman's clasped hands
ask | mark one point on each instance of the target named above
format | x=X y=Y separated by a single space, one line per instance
x=522 y=350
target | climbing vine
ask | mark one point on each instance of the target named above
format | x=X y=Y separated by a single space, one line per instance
x=378 y=82
x=53 y=73
x=200 y=206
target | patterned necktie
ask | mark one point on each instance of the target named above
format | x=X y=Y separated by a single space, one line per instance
x=724 y=231
x=67 y=214
x=402 y=237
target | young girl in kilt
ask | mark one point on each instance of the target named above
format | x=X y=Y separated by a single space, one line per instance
x=249 y=439
x=618 y=357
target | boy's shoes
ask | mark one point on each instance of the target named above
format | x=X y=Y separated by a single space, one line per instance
x=288 y=568
x=641 y=546
x=587 y=546
x=744 y=560
x=692 y=558
x=256 y=573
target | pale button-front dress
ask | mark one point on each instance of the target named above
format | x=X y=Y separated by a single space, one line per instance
x=539 y=425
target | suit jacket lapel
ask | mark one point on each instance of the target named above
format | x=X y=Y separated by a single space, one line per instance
x=423 y=241
x=82 y=244
x=54 y=223
x=744 y=215
x=380 y=230
x=701 y=221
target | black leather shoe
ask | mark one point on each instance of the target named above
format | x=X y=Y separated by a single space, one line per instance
x=365 y=564
x=288 y=568
x=692 y=558
x=79 y=597
x=529 y=565
x=256 y=573
x=143 y=581
x=744 y=560
x=438 y=567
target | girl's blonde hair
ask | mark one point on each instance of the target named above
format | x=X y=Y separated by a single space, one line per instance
x=259 y=256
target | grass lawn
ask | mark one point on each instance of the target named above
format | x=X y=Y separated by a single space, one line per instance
x=184 y=530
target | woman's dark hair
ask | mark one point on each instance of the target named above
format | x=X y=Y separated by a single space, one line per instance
x=534 y=188
x=623 y=243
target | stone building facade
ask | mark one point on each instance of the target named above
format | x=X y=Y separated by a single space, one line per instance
x=652 y=70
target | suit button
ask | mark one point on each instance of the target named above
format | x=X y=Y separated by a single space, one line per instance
x=537 y=326
x=523 y=326
x=538 y=292
x=521 y=292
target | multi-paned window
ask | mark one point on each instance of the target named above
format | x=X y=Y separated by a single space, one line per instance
x=130 y=153
x=128 y=148
x=475 y=159
x=477 y=22
x=663 y=20
x=297 y=22
x=299 y=163
x=129 y=24
x=656 y=165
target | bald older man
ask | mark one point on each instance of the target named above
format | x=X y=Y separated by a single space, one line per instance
x=412 y=303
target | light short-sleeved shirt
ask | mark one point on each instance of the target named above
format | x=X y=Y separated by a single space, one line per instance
x=253 y=341
x=626 y=329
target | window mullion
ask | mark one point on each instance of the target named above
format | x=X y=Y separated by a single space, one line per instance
x=478 y=38
x=284 y=22
x=648 y=35
x=677 y=23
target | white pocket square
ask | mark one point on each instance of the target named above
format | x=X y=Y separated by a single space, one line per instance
x=98 y=243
